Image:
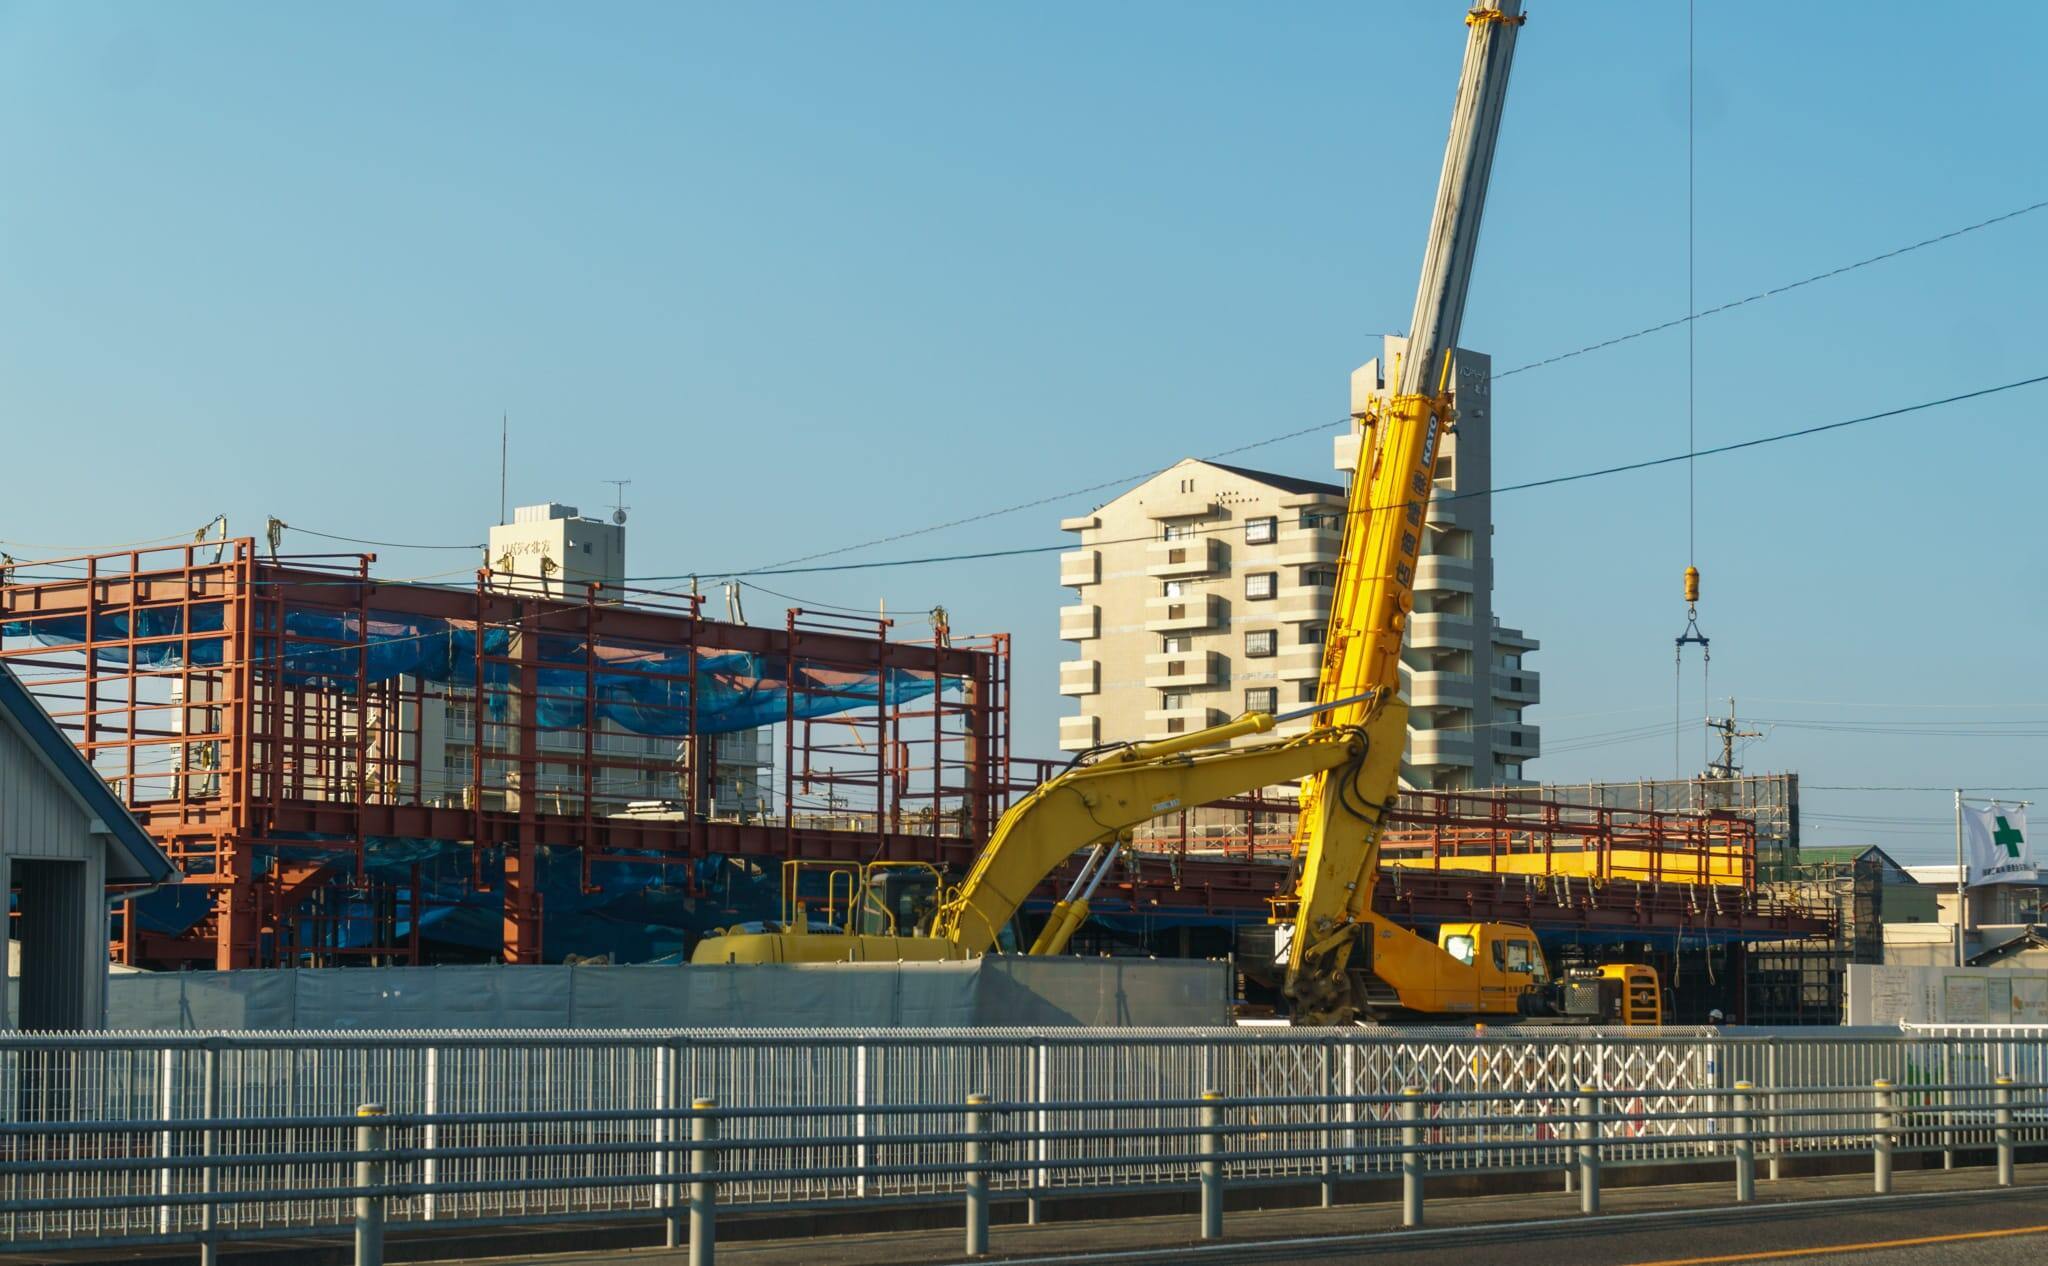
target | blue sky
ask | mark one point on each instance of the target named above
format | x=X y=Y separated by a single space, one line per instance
x=811 y=274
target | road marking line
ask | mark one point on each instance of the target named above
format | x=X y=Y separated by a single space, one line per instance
x=1774 y=1254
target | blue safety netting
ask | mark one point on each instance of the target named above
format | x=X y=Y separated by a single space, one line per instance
x=644 y=688
x=631 y=911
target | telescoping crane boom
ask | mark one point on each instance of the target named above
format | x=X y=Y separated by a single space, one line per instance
x=1333 y=957
x=1336 y=941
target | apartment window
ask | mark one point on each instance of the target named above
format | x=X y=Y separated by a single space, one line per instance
x=1262 y=699
x=1175 y=588
x=1313 y=519
x=1177 y=532
x=1314 y=577
x=1261 y=584
x=1261 y=531
x=1304 y=692
x=1514 y=738
x=1172 y=700
x=1259 y=643
x=1313 y=634
x=1174 y=644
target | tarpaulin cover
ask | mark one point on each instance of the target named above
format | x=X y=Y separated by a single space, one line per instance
x=644 y=688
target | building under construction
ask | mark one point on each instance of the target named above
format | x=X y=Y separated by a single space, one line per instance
x=349 y=769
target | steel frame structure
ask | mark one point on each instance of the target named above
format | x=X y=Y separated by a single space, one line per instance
x=267 y=788
x=168 y=668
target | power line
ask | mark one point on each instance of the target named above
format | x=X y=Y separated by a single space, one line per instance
x=1552 y=481
x=1119 y=482
x=358 y=540
x=1772 y=292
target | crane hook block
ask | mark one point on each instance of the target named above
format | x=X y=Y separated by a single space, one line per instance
x=1692 y=584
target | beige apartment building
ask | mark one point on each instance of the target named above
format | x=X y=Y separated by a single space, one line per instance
x=1205 y=591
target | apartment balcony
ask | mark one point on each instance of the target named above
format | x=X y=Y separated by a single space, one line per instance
x=1186 y=613
x=1167 y=722
x=1078 y=734
x=1518 y=685
x=1517 y=742
x=1169 y=670
x=1438 y=631
x=1189 y=556
x=1081 y=567
x=1080 y=623
x=1303 y=604
x=1080 y=677
x=1300 y=663
x=1443 y=573
x=1507 y=641
x=1440 y=747
x=1301 y=547
x=1430 y=689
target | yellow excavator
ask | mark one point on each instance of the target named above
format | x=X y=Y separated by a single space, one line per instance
x=1332 y=957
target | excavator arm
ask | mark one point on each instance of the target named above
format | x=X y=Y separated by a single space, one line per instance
x=1098 y=802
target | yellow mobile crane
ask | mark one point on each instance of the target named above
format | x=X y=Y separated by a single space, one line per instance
x=1334 y=958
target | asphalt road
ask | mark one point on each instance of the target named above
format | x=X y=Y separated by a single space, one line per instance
x=1992 y=1230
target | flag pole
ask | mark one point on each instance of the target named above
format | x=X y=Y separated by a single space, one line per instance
x=1962 y=877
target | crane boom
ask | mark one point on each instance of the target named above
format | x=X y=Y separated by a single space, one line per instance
x=1385 y=512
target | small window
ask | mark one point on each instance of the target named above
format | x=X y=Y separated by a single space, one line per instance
x=1314 y=577
x=1313 y=634
x=1172 y=700
x=1261 y=531
x=1260 y=585
x=1305 y=692
x=1259 y=643
x=1519 y=959
x=1262 y=699
x=1175 y=588
x=1463 y=948
x=1173 y=644
x=1177 y=532
x=1313 y=519
x=1514 y=738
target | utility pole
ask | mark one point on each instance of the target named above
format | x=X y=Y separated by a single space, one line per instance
x=1726 y=728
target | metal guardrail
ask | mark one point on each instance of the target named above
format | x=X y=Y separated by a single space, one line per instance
x=190 y=1139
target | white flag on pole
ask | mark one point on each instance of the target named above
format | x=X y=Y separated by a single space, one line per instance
x=1995 y=842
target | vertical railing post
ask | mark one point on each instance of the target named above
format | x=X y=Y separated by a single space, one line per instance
x=209 y=1179
x=977 y=1176
x=2002 y=1119
x=703 y=1192
x=1211 y=1140
x=674 y=1160
x=371 y=1133
x=1948 y=1103
x=860 y=1120
x=1881 y=1164
x=430 y=1134
x=1411 y=1156
x=1328 y=1136
x=1589 y=1150
x=1041 y=1147
x=167 y=1143
x=1745 y=1146
x=1773 y=1087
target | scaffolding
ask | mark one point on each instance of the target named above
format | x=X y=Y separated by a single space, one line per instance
x=338 y=764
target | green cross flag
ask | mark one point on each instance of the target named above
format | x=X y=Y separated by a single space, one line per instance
x=2008 y=838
